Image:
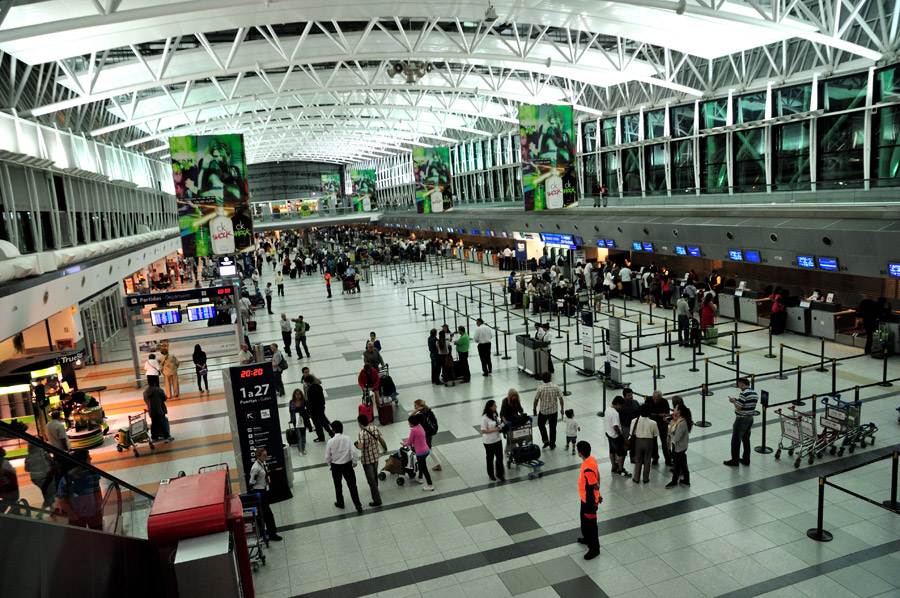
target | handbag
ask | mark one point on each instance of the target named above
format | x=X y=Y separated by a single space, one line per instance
x=203 y=372
x=629 y=446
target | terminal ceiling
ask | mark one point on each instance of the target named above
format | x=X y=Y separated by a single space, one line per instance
x=307 y=80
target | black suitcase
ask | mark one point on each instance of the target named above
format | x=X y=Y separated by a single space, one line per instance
x=291 y=435
x=293 y=273
x=251 y=326
x=526 y=453
x=387 y=386
x=695 y=333
x=778 y=321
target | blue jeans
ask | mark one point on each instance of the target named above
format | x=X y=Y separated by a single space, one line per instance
x=740 y=435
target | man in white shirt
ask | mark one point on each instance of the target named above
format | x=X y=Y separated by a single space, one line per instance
x=56 y=433
x=611 y=424
x=341 y=456
x=482 y=336
x=286 y=329
x=625 y=276
x=507 y=258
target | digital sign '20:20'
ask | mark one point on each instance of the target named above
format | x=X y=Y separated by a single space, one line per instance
x=252 y=373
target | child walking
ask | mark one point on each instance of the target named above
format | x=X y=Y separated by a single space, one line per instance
x=572 y=429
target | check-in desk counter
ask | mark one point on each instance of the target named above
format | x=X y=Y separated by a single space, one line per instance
x=798 y=319
x=728 y=307
x=752 y=306
x=528 y=358
x=830 y=318
x=488 y=258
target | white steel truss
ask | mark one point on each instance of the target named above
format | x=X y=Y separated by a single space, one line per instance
x=291 y=86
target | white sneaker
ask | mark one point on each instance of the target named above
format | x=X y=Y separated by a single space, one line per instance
x=428 y=489
x=417 y=480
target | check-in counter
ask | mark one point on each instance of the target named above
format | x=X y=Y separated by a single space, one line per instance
x=529 y=358
x=488 y=258
x=751 y=306
x=827 y=319
x=728 y=307
x=798 y=318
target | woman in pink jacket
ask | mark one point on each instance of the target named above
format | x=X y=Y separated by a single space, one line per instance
x=420 y=448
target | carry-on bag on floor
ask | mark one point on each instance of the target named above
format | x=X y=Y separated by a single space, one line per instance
x=291 y=435
x=367 y=410
x=386 y=413
x=712 y=335
x=293 y=273
x=251 y=326
x=387 y=387
x=526 y=453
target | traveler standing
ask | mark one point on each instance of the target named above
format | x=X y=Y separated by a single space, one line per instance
x=744 y=410
x=420 y=448
x=482 y=337
x=170 y=365
x=259 y=482
x=435 y=357
x=279 y=284
x=199 y=359
x=269 y=298
x=589 y=491
x=341 y=456
x=645 y=432
x=152 y=369
x=683 y=313
x=679 y=430
x=548 y=395
x=298 y=408
x=430 y=426
x=279 y=365
x=286 y=329
x=300 y=330
x=56 y=433
x=462 y=348
x=490 y=436
x=315 y=396
x=370 y=444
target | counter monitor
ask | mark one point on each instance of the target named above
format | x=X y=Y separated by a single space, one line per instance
x=828 y=263
x=894 y=270
x=579 y=241
x=648 y=247
x=637 y=246
x=752 y=256
x=504 y=234
x=203 y=311
x=610 y=244
x=166 y=315
x=601 y=242
x=694 y=251
x=805 y=261
x=735 y=255
x=474 y=231
x=680 y=250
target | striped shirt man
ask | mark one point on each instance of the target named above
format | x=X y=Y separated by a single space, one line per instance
x=745 y=404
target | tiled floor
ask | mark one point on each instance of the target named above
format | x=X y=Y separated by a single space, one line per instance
x=734 y=532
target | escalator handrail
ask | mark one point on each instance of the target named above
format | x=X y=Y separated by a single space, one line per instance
x=12 y=431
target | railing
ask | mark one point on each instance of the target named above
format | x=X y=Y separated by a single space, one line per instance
x=99 y=501
x=293 y=215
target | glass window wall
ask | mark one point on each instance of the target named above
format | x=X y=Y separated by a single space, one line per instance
x=841 y=138
x=654 y=124
x=610 y=171
x=631 y=171
x=655 y=160
x=589 y=136
x=608 y=132
x=751 y=107
x=683 y=121
x=683 y=165
x=713 y=164
x=887 y=153
x=714 y=113
x=749 y=160
x=792 y=100
x=845 y=93
x=790 y=167
x=631 y=128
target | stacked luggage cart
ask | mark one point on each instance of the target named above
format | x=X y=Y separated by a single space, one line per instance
x=841 y=430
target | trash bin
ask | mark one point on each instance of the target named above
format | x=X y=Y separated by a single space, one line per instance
x=95 y=353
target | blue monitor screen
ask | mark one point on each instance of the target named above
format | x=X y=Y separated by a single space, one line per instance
x=601 y=242
x=694 y=251
x=648 y=246
x=680 y=250
x=752 y=256
x=734 y=254
x=474 y=231
x=894 y=270
x=805 y=261
x=828 y=263
x=610 y=244
x=168 y=315
x=637 y=246
x=205 y=311
x=579 y=241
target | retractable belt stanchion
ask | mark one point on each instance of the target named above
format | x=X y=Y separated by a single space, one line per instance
x=797 y=402
x=706 y=391
x=833 y=376
x=702 y=423
x=736 y=345
x=693 y=359
x=407 y=298
x=566 y=391
x=659 y=374
x=505 y=349
x=892 y=502
x=817 y=533
x=770 y=355
x=821 y=367
x=497 y=341
x=602 y=412
x=630 y=363
x=731 y=361
x=763 y=449
x=669 y=345
x=414 y=308
x=781 y=375
x=577 y=331
x=884 y=356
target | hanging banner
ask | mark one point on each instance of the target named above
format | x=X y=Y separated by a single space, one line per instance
x=614 y=354
x=210 y=174
x=331 y=188
x=363 y=190
x=431 y=167
x=548 y=157
x=587 y=339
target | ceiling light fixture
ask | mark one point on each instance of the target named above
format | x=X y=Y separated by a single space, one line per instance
x=413 y=70
x=490 y=15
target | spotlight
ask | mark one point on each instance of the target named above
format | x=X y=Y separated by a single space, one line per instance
x=490 y=15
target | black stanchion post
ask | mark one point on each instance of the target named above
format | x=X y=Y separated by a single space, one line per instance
x=415 y=308
x=669 y=345
x=706 y=391
x=702 y=423
x=781 y=375
x=734 y=339
x=798 y=402
x=765 y=450
x=407 y=298
x=891 y=503
x=480 y=304
x=817 y=533
x=577 y=331
x=770 y=355
x=505 y=348
x=737 y=367
x=731 y=361
x=856 y=394
x=602 y=412
x=694 y=360
x=558 y=331
x=507 y=319
x=659 y=374
x=602 y=341
x=424 y=305
x=651 y=314
x=566 y=391
x=568 y=348
x=821 y=367
x=630 y=363
x=444 y=313
x=433 y=312
x=884 y=356
x=833 y=376
x=497 y=341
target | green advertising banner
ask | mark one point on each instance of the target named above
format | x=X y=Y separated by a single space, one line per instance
x=431 y=167
x=548 y=157
x=210 y=174
x=331 y=188
x=363 y=190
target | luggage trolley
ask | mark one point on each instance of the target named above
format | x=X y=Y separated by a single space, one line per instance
x=524 y=451
x=847 y=416
x=399 y=463
x=136 y=433
x=253 y=529
x=800 y=429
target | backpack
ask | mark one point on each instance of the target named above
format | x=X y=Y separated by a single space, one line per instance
x=430 y=423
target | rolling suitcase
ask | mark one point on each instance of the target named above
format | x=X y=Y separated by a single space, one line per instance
x=251 y=325
x=386 y=413
x=293 y=273
x=526 y=453
x=291 y=435
x=712 y=335
x=368 y=411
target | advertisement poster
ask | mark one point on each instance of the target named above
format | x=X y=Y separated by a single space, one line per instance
x=548 y=157
x=431 y=167
x=362 y=190
x=210 y=173
x=253 y=418
x=331 y=188
x=587 y=340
